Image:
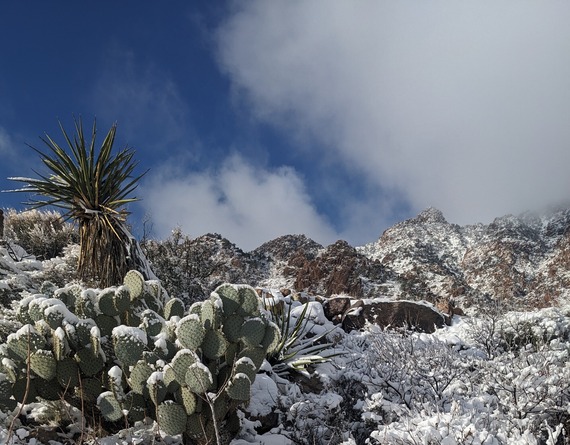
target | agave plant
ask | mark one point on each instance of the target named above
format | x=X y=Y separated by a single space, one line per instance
x=298 y=347
x=92 y=187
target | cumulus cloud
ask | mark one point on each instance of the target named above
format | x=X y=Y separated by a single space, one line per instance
x=459 y=105
x=247 y=204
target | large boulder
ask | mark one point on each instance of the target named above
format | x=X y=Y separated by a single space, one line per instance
x=394 y=314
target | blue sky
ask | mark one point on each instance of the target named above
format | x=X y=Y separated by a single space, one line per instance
x=330 y=118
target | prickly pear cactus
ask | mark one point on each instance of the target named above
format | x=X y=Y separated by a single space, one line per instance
x=133 y=353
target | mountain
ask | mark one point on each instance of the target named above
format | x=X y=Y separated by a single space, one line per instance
x=516 y=260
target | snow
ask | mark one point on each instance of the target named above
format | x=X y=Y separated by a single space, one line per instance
x=454 y=386
x=129 y=331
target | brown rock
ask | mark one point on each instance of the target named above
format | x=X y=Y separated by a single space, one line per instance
x=335 y=308
x=394 y=314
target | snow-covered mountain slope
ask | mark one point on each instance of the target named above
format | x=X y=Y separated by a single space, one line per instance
x=519 y=261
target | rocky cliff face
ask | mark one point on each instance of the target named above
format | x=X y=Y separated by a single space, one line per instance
x=522 y=260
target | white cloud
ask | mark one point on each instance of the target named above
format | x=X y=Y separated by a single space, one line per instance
x=460 y=105
x=249 y=205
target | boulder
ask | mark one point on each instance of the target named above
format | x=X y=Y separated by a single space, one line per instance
x=394 y=314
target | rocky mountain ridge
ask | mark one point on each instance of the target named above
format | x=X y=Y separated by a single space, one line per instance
x=516 y=260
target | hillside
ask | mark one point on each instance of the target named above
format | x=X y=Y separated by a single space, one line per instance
x=519 y=261
x=498 y=376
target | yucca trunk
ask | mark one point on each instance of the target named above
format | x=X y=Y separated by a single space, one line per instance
x=103 y=252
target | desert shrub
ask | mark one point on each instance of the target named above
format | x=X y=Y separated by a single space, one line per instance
x=43 y=234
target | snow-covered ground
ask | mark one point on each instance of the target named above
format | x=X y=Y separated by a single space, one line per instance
x=491 y=379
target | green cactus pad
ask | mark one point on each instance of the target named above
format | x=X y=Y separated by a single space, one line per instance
x=67 y=373
x=188 y=399
x=53 y=318
x=214 y=345
x=89 y=362
x=5 y=387
x=89 y=389
x=151 y=322
x=253 y=331
x=195 y=308
x=272 y=338
x=139 y=376
x=230 y=297
x=21 y=389
x=172 y=384
x=231 y=352
x=198 y=427
x=48 y=389
x=48 y=288
x=122 y=298
x=83 y=331
x=172 y=418
x=24 y=339
x=156 y=387
x=134 y=403
x=245 y=366
x=106 y=324
x=59 y=344
x=257 y=355
x=239 y=387
x=106 y=302
x=181 y=362
x=190 y=332
x=43 y=364
x=135 y=282
x=232 y=327
x=211 y=315
x=35 y=309
x=85 y=307
x=173 y=308
x=250 y=301
x=129 y=343
x=22 y=313
x=109 y=406
x=199 y=378
x=66 y=296
x=9 y=368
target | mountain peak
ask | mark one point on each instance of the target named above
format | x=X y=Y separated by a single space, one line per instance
x=429 y=215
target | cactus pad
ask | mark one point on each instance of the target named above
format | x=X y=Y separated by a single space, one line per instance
x=90 y=362
x=199 y=378
x=135 y=282
x=230 y=297
x=181 y=362
x=239 y=388
x=43 y=364
x=109 y=406
x=253 y=331
x=214 y=345
x=249 y=301
x=129 y=343
x=151 y=322
x=174 y=308
x=190 y=332
x=172 y=418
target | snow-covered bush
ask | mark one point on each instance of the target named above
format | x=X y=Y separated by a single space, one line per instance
x=43 y=234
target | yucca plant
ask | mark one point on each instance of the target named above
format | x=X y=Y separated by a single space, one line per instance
x=92 y=187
